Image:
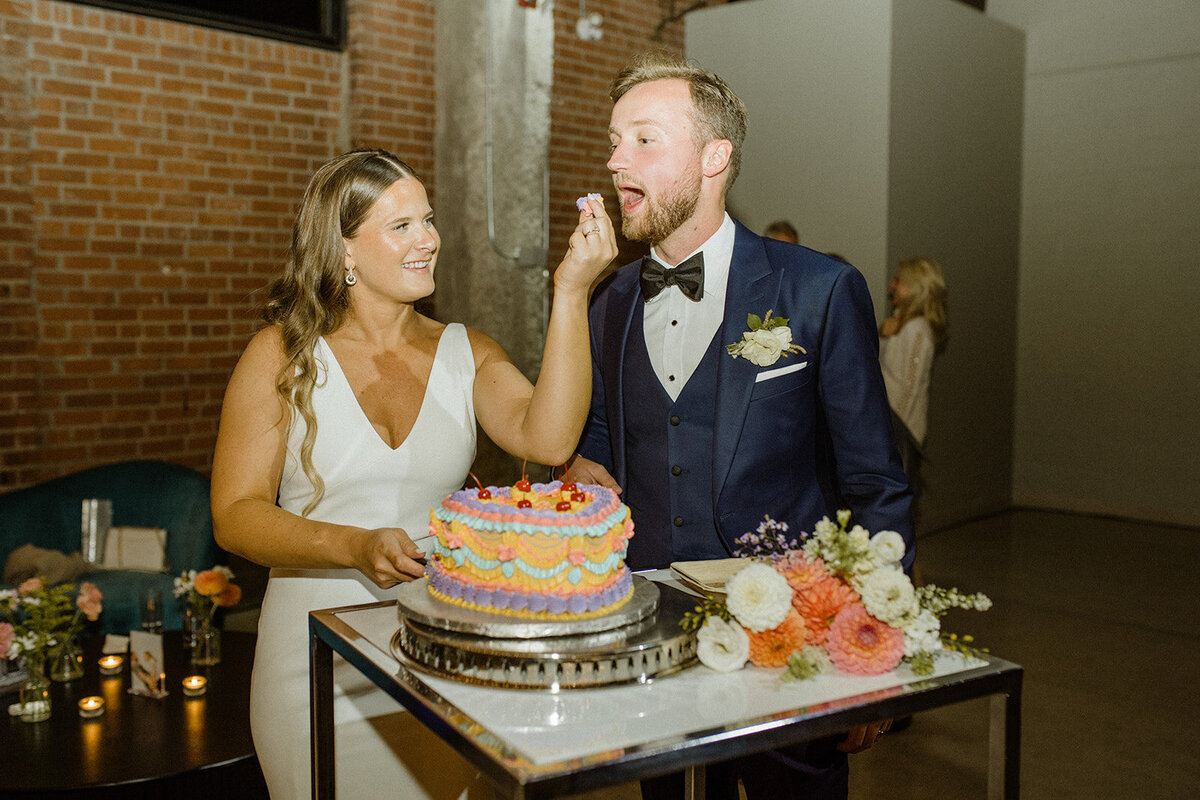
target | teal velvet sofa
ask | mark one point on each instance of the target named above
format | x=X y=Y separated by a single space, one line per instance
x=151 y=494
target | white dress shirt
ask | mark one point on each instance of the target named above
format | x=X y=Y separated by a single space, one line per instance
x=678 y=330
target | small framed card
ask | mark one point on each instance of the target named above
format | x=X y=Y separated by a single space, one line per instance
x=147 y=673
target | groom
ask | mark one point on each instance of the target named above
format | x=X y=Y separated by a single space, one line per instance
x=704 y=442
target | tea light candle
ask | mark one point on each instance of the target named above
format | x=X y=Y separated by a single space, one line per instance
x=111 y=665
x=91 y=707
x=195 y=685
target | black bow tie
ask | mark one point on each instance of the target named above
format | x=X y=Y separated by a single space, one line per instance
x=688 y=276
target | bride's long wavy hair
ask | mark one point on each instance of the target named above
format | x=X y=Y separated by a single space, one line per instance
x=311 y=298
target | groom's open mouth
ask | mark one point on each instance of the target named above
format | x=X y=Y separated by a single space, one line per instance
x=631 y=196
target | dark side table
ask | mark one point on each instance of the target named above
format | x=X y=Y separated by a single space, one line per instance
x=177 y=747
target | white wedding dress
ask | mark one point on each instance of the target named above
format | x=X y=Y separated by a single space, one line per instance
x=381 y=751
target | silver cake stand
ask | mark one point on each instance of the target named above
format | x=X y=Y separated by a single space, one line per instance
x=637 y=642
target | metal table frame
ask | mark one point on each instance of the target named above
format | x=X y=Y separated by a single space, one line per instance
x=514 y=776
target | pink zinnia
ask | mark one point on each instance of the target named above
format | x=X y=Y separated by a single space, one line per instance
x=88 y=601
x=820 y=602
x=6 y=637
x=862 y=645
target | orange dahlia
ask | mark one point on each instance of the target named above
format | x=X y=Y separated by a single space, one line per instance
x=820 y=602
x=862 y=645
x=771 y=648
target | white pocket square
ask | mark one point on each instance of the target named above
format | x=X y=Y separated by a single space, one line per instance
x=778 y=371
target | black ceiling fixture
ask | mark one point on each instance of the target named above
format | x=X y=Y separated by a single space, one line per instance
x=320 y=23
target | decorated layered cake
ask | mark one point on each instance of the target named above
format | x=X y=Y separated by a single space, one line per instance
x=544 y=551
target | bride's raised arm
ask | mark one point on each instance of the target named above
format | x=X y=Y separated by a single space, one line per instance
x=543 y=422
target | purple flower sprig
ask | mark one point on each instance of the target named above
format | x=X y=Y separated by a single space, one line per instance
x=768 y=541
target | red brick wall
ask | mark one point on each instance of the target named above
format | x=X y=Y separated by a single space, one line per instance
x=580 y=105
x=151 y=169
x=18 y=320
x=391 y=51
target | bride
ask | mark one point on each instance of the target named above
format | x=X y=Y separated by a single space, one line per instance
x=351 y=415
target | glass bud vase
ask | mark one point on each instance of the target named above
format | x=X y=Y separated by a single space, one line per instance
x=66 y=662
x=207 y=649
x=191 y=622
x=35 y=693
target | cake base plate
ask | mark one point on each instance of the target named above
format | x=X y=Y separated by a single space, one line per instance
x=415 y=603
x=648 y=647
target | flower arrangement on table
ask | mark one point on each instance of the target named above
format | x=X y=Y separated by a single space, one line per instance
x=839 y=601
x=43 y=621
x=208 y=590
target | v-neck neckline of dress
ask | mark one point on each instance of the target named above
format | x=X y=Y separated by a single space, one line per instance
x=363 y=414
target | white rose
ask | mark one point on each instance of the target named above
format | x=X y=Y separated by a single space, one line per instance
x=722 y=646
x=888 y=595
x=887 y=548
x=762 y=347
x=759 y=597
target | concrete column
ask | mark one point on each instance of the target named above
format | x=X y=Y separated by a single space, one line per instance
x=494 y=71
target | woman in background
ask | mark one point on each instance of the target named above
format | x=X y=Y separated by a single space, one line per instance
x=908 y=341
x=349 y=417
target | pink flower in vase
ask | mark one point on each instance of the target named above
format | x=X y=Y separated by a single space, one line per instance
x=88 y=601
x=29 y=586
x=6 y=638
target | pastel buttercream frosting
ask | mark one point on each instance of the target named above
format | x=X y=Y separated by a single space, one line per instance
x=550 y=550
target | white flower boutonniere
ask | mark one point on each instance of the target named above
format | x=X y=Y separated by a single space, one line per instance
x=767 y=340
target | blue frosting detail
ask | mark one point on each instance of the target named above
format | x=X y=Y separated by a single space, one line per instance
x=499 y=599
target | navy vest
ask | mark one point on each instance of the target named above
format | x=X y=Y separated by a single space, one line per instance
x=669 y=459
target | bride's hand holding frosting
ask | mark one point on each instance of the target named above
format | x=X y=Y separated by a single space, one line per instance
x=591 y=248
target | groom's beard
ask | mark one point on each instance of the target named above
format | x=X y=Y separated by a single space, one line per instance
x=664 y=215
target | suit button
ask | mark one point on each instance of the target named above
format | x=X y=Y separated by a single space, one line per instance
x=674 y=419
x=678 y=522
x=677 y=470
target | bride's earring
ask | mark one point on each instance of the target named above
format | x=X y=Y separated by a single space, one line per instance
x=351 y=278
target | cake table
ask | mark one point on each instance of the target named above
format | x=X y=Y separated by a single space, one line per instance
x=540 y=743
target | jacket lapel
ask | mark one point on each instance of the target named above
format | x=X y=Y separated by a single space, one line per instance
x=752 y=289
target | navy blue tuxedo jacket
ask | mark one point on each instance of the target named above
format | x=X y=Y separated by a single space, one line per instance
x=798 y=446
